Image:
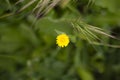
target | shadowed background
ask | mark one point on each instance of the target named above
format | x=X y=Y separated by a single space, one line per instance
x=28 y=49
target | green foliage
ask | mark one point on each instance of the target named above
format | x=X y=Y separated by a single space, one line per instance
x=28 y=49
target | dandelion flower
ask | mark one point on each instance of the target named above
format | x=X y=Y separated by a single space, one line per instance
x=62 y=40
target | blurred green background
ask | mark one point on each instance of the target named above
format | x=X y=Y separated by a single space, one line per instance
x=28 y=49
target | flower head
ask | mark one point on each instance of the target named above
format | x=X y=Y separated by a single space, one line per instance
x=62 y=40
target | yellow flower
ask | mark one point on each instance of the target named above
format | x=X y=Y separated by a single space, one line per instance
x=62 y=40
